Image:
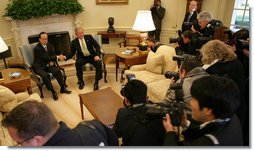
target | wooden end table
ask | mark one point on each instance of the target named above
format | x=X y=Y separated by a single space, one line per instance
x=128 y=59
x=102 y=104
x=19 y=84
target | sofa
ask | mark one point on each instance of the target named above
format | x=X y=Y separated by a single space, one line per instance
x=152 y=73
x=9 y=100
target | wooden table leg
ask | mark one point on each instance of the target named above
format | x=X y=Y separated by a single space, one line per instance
x=29 y=89
x=81 y=108
x=117 y=65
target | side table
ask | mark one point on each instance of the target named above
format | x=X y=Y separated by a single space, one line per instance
x=128 y=59
x=19 y=84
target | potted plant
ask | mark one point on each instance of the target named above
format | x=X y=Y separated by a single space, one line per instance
x=27 y=9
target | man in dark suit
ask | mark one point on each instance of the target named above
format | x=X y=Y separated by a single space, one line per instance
x=190 y=17
x=158 y=13
x=88 y=51
x=44 y=62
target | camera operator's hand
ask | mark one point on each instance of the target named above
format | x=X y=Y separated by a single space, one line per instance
x=185 y=122
x=167 y=123
x=193 y=29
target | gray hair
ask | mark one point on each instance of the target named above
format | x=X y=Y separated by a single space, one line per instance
x=205 y=15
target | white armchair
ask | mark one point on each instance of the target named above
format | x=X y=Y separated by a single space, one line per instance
x=152 y=73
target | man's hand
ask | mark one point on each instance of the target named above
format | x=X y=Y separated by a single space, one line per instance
x=167 y=123
x=97 y=58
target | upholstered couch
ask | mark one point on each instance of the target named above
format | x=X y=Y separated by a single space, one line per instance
x=152 y=73
x=9 y=100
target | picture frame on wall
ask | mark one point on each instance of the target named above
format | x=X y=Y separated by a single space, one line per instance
x=114 y=2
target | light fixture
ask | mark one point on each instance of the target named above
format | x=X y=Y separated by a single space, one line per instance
x=3 y=48
x=143 y=23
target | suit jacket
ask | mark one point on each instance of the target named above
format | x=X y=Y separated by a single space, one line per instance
x=42 y=57
x=193 y=19
x=137 y=129
x=227 y=133
x=158 y=15
x=92 y=46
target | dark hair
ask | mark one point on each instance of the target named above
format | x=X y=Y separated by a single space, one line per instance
x=42 y=34
x=151 y=39
x=187 y=34
x=189 y=64
x=30 y=118
x=135 y=91
x=217 y=93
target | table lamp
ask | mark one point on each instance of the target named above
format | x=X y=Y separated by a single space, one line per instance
x=143 y=23
x=3 y=48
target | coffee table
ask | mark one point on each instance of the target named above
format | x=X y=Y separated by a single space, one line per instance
x=19 y=84
x=102 y=104
x=128 y=59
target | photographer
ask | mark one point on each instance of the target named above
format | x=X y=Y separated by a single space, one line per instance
x=153 y=44
x=187 y=44
x=214 y=102
x=206 y=28
x=190 y=70
x=158 y=13
x=190 y=17
x=132 y=124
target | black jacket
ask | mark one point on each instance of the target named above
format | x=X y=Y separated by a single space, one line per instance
x=227 y=133
x=92 y=46
x=88 y=133
x=43 y=57
x=187 y=24
x=158 y=15
x=136 y=130
x=235 y=71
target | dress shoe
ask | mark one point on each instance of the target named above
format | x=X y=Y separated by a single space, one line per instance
x=81 y=85
x=64 y=90
x=95 y=86
x=55 y=97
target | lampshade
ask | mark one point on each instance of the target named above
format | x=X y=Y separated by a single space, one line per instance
x=144 y=21
x=3 y=46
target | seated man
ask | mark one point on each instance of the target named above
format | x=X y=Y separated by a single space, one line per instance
x=88 y=51
x=214 y=103
x=44 y=62
x=132 y=124
x=33 y=124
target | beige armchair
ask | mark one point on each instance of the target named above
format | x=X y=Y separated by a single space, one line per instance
x=9 y=100
x=152 y=73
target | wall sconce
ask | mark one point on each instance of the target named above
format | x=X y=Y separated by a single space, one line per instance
x=143 y=23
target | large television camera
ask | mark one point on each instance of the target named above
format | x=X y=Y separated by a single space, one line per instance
x=174 y=108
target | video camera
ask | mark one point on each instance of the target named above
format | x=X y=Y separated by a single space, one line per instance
x=240 y=39
x=174 y=108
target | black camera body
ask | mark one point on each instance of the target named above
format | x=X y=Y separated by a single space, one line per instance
x=178 y=40
x=174 y=108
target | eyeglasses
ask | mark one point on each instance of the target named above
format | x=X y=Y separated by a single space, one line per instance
x=27 y=139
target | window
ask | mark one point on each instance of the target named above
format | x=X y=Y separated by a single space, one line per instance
x=240 y=17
